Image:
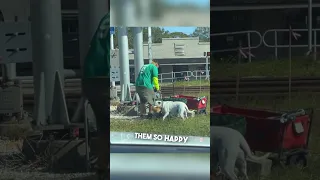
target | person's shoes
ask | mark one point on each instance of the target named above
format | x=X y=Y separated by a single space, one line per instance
x=146 y=116
x=150 y=116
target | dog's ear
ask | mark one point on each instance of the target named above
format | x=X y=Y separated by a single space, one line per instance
x=156 y=108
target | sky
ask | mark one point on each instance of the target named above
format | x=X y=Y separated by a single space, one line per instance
x=186 y=30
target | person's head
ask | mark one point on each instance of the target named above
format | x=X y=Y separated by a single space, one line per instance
x=155 y=62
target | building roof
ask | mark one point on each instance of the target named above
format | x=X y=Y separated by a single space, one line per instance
x=175 y=48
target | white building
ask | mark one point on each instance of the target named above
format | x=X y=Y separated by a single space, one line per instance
x=173 y=55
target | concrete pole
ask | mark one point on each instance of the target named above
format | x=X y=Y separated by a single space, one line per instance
x=124 y=62
x=146 y=6
x=90 y=14
x=309 y=25
x=149 y=44
x=46 y=32
x=138 y=50
x=122 y=13
x=11 y=71
x=10 y=68
x=111 y=41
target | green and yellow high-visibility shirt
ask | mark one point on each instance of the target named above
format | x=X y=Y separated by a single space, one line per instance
x=97 y=61
x=148 y=77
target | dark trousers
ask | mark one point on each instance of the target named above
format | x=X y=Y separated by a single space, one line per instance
x=97 y=92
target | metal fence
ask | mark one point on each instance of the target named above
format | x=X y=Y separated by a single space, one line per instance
x=292 y=42
x=296 y=34
x=184 y=76
x=248 y=35
x=264 y=41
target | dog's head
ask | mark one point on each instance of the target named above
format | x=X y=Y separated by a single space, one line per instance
x=158 y=103
x=156 y=109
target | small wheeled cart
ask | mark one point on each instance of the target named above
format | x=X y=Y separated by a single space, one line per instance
x=284 y=133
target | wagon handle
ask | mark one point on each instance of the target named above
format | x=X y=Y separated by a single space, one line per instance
x=310 y=124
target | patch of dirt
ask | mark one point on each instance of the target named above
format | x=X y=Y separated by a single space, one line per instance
x=9 y=146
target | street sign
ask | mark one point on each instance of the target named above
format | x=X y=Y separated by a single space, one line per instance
x=112 y=30
x=15 y=42
x=114 y=74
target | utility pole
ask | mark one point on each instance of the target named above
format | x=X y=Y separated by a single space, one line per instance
x=309 y=25
x=124 y=63
x=138 y=50
x=149 y=45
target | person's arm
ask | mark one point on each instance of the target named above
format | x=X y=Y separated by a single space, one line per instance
x=155 y=79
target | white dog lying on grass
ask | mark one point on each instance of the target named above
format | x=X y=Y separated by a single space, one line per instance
x=177 y=108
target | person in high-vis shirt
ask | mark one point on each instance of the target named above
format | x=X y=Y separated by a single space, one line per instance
x=146 y=81
x=95 y=86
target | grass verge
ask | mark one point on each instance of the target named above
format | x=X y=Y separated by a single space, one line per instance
x=197 y=126
x=269 y=68
x=187 y=83
x=280 y=103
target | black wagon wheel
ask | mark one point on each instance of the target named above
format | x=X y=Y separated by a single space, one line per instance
x=297 y=160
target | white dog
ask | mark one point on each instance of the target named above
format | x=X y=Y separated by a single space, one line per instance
x=173 y=108
x=231 y=149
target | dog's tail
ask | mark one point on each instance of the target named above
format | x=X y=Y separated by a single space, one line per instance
x=188 y=111
x=246 y=149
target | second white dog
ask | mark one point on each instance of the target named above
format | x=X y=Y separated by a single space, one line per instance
x=176 y=108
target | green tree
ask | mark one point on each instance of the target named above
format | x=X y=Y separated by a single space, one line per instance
x=177 y=35
x=156 y=32
x=203 y=33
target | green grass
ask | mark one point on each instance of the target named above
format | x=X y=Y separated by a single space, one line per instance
x=269 y=68
x=197 y=126
x=298 y=100
x=202 y=82
x=311 y=172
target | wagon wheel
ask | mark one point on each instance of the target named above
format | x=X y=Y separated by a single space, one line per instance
x=297 y=160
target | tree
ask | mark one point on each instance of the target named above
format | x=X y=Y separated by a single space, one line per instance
x=203 y=33
x=177 y=35
x=156 y=32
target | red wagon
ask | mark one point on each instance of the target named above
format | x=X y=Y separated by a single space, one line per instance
x=284 y=133
x=195 y=103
